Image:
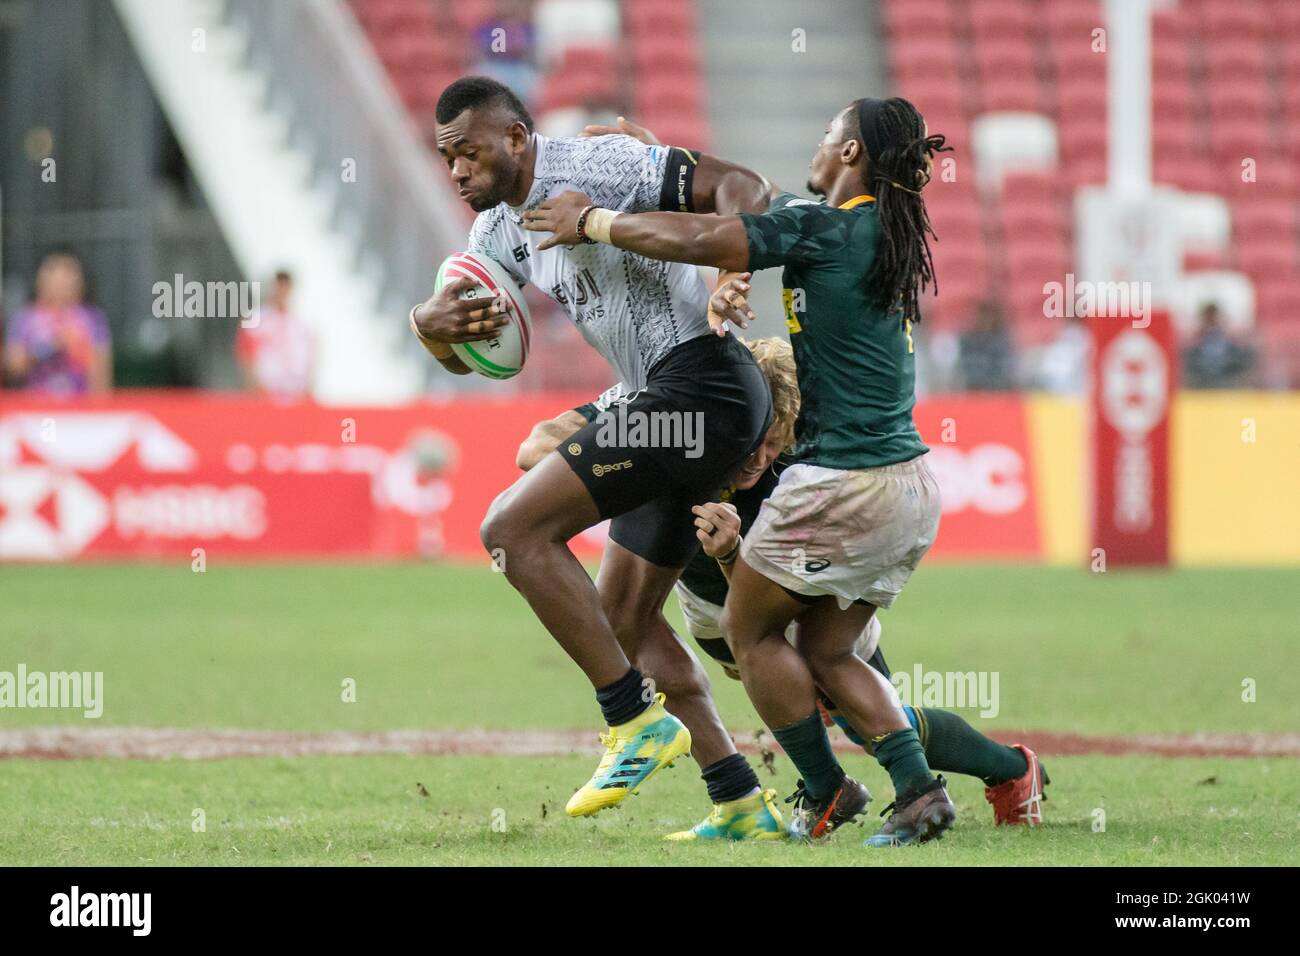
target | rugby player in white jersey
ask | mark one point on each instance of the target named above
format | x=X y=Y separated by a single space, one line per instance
x=649 y=320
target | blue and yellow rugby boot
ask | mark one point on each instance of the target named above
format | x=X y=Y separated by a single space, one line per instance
x=750 y=818
x=634 y=752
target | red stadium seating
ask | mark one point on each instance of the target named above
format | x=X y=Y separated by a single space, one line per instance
x=1226 y=102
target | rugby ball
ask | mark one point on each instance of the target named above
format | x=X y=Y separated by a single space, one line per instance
x=503 y=356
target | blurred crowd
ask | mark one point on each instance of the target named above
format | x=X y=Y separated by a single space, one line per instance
x=61 y=345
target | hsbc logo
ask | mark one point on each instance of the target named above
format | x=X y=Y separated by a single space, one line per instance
x=46 y=514
x=47 y=510
x=1134 y=384
x=989 y=477
x=1134 y=400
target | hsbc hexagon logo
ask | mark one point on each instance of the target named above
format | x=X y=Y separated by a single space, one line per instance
x=48 y=511
x=1134 y=384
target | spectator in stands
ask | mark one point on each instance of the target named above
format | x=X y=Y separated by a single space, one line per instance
x=59 y=345
x=276 y=348
x=505 y=47
x=986 y=356
x=1215 y=359
x=1063 y=365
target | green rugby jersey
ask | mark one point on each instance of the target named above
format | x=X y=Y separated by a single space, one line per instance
x=856 y=368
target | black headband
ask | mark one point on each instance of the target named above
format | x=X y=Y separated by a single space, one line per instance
x=867 y=108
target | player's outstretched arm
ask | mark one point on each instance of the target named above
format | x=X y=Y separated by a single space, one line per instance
x=701 y=240
x=709 y=184
x=727 y=189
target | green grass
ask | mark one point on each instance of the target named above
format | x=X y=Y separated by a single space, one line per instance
x=453 y=646
x=367 y=810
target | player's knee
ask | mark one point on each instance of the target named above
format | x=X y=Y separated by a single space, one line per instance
x=500 y=524
x=738 y=637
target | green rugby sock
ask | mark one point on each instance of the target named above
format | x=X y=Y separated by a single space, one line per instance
x=809 y=748
x=953 y=745
x=901 y=754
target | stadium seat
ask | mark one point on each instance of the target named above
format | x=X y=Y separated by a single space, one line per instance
x=913 y=17
x=1279 y=305
x=1235 y=61
x=1263 y=217
x=653 y=52
x=925 y=53
x=1001 y=18
x=1073 y=20
x=1171 y=98
x=1240 y=137
x=396 y=16
x=1174 y=135
x=1083 y=135
x=1194 y=173
x=935 y=99
x=1234 y=21
x=668 y=17
x=1170 y=57
x=1011 y=94
x=470 y=14
x=1005 y=56
x=1086 y=101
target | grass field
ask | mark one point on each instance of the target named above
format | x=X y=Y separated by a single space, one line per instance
x=270 y=648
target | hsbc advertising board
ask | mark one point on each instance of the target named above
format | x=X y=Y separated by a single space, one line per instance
x=1133 y=388
x=154 y=475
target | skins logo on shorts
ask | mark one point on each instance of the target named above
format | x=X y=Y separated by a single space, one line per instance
x=601 y=470
x=815 y=565
x=575 y=448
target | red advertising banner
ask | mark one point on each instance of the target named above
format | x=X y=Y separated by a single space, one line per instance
x=979 y=452
x=1134 y=372
x=157 y=474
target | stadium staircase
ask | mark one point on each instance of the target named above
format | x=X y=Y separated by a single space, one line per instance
x=307 y=160
x=777 y=99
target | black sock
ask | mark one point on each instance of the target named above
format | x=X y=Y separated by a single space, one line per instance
x=954 y=745
x=622 y=700
x=729 y=779
x=809 y=748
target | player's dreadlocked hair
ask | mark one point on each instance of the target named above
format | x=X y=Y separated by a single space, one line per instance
x=897 y=168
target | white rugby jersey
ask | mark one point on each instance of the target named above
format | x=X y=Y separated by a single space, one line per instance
x=631 y=309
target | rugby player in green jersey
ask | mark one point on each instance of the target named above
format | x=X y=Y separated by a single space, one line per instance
x=1010 y=774
x=853 y=516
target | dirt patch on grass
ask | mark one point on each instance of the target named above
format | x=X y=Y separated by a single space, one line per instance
x=146 y=743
